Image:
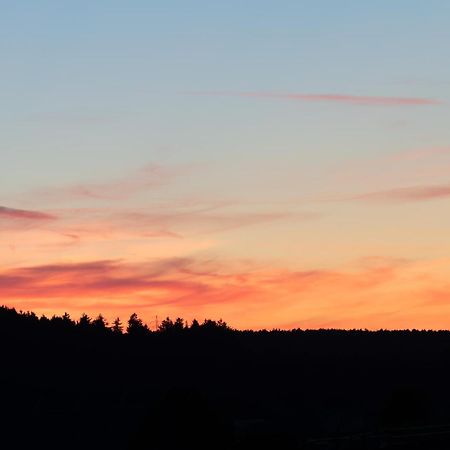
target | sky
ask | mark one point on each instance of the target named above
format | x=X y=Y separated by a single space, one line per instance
x=276 y=164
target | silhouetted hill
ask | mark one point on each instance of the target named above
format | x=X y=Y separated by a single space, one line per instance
x=85 y=385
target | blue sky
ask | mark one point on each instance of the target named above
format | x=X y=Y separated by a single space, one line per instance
x=82 y=68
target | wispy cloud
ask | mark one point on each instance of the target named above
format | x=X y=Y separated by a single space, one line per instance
x=148 y=177
x=98 y=279
x=185 y=286
x=197 y=221
x=418 y=154
x=379 y=292
x=333 y=98
x=83 y=225
x=24 y=215
x=407 y=194
x=418 y=174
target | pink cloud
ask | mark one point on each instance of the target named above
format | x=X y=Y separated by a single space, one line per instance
x=418 y=154
x=407 y=194
x=381 y=293
x=148 y=177
x=99 y=279
x=185 y=286
x=424 y=173
x=105 y=224
x=197 y=221
x=22 y=214
x=335 y=98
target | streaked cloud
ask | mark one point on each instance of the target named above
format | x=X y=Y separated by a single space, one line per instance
x=148 y=177
x=24 y=215
x=184 y=286
x=197 y=221
x=419 y=154
x=109 y=224
x=418 y=174
x=407 y=194
x=376 y=293
x=330 y=98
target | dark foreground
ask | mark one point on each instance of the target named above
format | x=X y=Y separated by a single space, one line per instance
x=83 y=386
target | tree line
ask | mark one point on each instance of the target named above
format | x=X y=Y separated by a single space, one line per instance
x=134 y=326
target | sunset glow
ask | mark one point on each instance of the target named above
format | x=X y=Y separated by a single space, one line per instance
x=282 y=172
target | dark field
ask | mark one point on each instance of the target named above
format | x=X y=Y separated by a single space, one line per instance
x=81 y=385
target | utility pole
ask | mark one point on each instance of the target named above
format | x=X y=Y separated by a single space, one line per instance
x=156 y=322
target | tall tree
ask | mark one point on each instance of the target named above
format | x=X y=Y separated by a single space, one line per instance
x=136 y=327
x=99 y=323
x=84 y=322
x=117 y=327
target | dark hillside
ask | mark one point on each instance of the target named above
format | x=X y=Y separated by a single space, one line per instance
x=69 y=384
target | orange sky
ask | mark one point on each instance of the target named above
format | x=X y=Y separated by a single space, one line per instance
x=294 y=265
x=270 y=166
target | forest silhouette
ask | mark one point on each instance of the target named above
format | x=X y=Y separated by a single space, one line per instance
x=87 y=384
